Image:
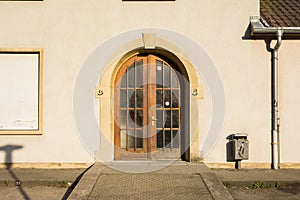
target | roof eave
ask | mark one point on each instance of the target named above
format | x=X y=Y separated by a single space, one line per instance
x=260 y=31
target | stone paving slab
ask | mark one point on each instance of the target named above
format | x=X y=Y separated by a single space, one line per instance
x=283 y=175
x=162 y=167
x=39 y=175
x=25 y=183
x=241 y=183
x=32 y=193
x=262 y=194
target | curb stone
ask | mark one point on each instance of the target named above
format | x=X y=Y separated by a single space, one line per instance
x=215 y=186
x=86 y=184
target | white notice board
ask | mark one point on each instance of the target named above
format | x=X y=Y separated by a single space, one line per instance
x=19 y=90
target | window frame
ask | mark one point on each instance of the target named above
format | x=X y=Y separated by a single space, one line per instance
x=40 y=52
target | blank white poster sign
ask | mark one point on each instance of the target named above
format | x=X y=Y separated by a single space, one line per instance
x=19 y=91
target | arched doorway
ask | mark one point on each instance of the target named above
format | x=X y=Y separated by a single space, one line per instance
x=151 y=109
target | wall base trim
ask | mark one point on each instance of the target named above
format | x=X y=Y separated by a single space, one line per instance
x=86 y=165
x=45 y=165
x=252 y=165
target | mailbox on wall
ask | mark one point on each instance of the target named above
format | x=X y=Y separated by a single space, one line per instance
x=238 y=148
x=240 y=145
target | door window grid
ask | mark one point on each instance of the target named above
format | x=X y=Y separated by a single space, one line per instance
x=167 y=82
x=133 y=131
x=131 y=124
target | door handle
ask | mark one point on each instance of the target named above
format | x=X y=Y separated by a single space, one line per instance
x=153 y=119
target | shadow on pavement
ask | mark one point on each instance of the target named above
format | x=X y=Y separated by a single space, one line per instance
x=71 y=188
x=8 y=149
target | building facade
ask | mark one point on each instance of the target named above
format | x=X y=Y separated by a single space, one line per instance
x=86 y=81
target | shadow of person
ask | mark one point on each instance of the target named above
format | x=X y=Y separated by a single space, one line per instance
x=8 y=149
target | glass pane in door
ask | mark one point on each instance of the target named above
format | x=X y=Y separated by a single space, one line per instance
x=159 y=74
x=167 y=107
x=132 y=107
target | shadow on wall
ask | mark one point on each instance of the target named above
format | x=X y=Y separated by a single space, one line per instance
x=247 y=34
x=8 y=149
x=229 y=149
x=8 y=161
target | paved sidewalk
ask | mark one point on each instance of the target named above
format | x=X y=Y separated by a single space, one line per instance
x=261 y=183
x=180 y=180
x=262 y=175
x=28 y=184
x=28 y=175
x=154 y=180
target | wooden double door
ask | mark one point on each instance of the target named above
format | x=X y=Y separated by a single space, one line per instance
x=147 y=110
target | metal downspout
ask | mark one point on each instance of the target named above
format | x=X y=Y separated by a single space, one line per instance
x=261 y=30
x=275 y=106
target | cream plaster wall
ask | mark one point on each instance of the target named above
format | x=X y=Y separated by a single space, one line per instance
x=70 y=30
x=289 y=63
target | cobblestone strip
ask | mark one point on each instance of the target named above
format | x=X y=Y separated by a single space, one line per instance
x=150 y=187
